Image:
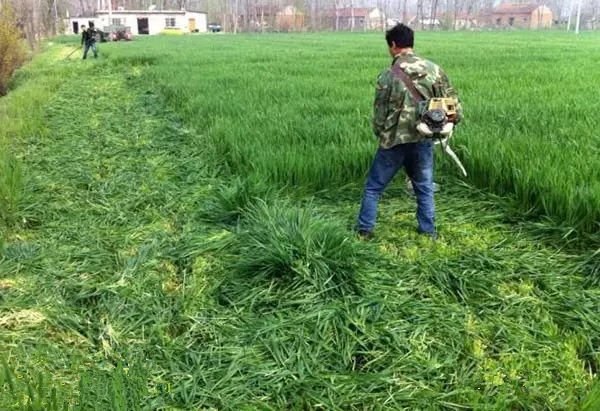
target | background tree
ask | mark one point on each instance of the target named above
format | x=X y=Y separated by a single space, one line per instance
x=12 y=51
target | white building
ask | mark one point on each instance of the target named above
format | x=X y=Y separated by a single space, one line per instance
x=143 y=21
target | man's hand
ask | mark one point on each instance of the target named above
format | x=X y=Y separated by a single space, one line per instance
x=459 y=117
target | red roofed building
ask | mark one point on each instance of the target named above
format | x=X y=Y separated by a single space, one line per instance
x=459 y=20
x=450 y=21
x=270 y=17
x=521 y=15
x=357 y=18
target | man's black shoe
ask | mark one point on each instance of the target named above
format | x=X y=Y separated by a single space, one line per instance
x=364 y=234
x=433 y=236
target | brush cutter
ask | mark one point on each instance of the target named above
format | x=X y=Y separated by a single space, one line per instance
x=71 y=53
x=436 y=117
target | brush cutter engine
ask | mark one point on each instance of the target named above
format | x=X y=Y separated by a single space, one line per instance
x=436 y=117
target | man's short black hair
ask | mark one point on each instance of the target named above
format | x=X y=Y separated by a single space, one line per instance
x=401 y=35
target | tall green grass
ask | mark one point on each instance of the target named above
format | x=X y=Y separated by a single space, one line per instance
x=295 y=110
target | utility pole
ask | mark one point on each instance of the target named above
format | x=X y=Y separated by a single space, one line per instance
x=578 y=17
x=352 y=16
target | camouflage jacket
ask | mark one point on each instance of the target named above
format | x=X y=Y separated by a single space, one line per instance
x=394 y=112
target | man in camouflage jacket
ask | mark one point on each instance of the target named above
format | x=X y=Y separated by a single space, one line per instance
x=400 y=144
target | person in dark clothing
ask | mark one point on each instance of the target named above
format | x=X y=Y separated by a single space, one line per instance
x=88 y=37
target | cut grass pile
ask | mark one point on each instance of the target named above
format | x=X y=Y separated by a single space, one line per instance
x=241 y=295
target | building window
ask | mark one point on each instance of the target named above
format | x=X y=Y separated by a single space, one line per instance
x=170 y=22
x=116 y=22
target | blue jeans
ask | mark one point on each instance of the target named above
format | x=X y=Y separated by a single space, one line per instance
x=417 y=160
x=87 y=48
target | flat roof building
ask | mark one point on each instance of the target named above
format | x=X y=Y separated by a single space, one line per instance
x=143 y=21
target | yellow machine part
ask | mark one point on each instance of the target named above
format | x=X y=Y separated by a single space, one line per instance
x=448 y=105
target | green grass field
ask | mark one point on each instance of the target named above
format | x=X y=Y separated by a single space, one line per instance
x=189 y=200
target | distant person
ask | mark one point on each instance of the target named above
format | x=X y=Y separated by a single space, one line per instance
x=400 y=144
x=88 y=38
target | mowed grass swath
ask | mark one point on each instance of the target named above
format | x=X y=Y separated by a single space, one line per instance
x=149 y=236
x=21 y=114
x=295 y=109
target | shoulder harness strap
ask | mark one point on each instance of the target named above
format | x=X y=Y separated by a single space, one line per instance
x=407 y=82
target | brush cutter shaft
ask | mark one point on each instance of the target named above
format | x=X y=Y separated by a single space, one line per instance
x=448 y=150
